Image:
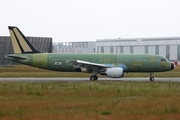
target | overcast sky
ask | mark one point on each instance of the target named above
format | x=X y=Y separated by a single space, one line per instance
x=88 y=20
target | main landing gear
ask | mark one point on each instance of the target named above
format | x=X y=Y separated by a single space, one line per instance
x=94 y=78
x=151 y=76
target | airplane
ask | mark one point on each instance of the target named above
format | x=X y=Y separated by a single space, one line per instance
x=111 y=65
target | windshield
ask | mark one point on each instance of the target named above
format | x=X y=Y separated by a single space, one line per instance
x=163 y=59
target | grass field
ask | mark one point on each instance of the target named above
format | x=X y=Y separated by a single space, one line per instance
x=105 y=100
x=90 y=100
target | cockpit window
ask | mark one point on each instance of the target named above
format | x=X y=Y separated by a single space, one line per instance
x=163 y=60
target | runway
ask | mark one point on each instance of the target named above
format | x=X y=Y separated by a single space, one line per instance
x=87 y=79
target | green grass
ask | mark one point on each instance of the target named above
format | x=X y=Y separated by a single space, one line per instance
x=109 y=100
x=89 y=100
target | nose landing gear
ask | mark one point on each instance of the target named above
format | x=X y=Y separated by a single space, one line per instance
x=151 y=76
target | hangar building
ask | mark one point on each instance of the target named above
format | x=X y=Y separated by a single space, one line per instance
x=168 y=47
x=43 y=44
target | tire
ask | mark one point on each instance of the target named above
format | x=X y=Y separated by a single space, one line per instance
x=151 y=78
x=92 y=78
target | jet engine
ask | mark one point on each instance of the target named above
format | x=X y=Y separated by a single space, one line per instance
x=114 y=72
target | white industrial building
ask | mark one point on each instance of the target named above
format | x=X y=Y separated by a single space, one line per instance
x=74 y=47
x=168 y=47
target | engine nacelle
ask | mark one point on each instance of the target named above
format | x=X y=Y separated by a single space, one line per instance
x=115 y=72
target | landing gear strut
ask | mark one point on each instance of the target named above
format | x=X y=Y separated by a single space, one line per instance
x=151 y=76
x=94 y=78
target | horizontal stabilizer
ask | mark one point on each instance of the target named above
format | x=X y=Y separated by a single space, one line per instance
x=16 y=57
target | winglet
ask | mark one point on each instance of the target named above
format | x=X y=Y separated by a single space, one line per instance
x=20 y=42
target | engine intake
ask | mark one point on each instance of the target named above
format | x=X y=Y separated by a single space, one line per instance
x=115 y=72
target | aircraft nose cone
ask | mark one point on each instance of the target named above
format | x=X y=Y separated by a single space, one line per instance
x=172 y=66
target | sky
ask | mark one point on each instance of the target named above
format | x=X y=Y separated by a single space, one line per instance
x=89 y=20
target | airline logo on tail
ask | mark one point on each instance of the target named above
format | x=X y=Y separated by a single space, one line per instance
x=20 y=42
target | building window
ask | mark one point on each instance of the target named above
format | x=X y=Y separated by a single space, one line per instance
x=157 y=49
x=102 y=49
x=131 y=49
x=116 y=49
x=121 y=49
x=167 y=51
x=178 y=52
x=146 y=49
x=111 y=49
x=98 y=49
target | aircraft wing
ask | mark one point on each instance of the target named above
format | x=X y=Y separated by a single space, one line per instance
x=87 y=65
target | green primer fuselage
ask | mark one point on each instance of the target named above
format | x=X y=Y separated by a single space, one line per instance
x=129 y=62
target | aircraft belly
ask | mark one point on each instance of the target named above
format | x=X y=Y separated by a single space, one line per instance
x=69 y=67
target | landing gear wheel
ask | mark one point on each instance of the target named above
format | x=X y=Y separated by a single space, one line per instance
x=93 y=78
x=96 y=77
x=151 y=78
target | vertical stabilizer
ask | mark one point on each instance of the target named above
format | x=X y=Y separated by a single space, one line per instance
x=20 y=42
